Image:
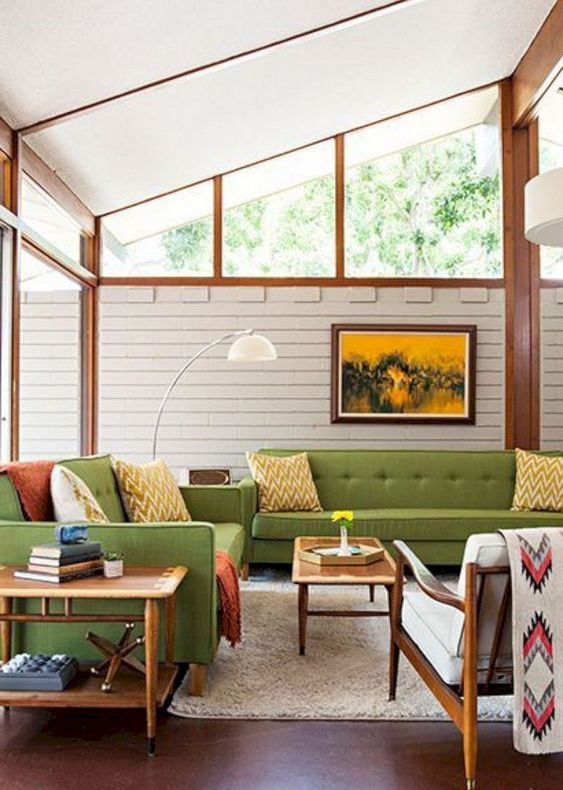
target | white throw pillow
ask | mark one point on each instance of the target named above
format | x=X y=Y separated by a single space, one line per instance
x=72 y=499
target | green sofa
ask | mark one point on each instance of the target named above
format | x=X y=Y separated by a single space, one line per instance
x=432 y=499
x=216 y=526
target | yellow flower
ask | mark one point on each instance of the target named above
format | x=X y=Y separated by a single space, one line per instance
x=343 y=515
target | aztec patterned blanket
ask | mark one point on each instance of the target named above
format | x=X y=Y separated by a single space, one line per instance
x=536 y=572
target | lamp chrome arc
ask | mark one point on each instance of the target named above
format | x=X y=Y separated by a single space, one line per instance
x=260 y=350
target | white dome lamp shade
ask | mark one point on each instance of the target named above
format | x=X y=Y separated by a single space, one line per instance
x=544 y=209
x=252 y=348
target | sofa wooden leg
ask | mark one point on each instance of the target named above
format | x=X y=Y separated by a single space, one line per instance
x=244 y=571
x=197 y=679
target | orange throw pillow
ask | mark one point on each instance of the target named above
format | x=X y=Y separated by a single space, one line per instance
x=32 y=481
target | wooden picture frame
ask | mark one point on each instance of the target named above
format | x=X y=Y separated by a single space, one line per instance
x=446 y=351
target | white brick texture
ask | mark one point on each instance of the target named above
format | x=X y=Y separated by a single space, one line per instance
x=50 y=375
x=221 y=409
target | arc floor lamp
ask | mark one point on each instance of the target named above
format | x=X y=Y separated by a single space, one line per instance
x=247 y=347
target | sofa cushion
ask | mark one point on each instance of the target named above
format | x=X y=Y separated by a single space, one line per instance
x=283 y=483
x=10 y=508
x=366 y=479
x=96 y=471
x=149 y=492
x=72 y=499
x=407 y=524
x=539 y=482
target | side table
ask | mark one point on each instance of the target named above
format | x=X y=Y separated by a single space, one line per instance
x=148 y=584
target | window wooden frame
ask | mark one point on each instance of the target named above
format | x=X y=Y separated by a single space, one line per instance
x=340 y=278
x=19 y=157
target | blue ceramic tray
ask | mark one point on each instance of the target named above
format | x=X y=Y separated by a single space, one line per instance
x=38 y=673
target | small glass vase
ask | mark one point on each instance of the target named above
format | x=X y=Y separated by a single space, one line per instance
x=344 y=548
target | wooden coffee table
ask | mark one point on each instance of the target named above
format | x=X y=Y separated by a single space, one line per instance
x=130 y=690
x=306 y=573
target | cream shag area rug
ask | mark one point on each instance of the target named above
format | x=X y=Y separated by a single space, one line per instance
x=342 y=676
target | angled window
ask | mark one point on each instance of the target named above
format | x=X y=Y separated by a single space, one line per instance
x=168 y=236
x=278 y=216
x=551 y=156
x=57 y=232
x=422 y=193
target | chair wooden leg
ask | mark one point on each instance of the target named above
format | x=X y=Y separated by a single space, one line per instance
x=244 y=571
x=393 y=669
x=197 y=679
x=470 y=679
x=395 y=598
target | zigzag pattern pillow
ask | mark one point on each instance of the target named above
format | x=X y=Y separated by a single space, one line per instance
x=283 y=483
x=150 y=492
x=539 y=482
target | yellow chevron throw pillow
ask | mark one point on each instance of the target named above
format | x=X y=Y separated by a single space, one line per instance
x=539 y=482
x=150 y=492
x=283 y=483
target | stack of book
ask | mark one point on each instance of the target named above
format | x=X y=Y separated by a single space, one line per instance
x=63 y=562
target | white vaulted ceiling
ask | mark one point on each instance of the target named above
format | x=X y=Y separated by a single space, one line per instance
x=62 y=54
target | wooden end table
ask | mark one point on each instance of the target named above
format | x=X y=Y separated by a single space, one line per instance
x=305 y=574
x=148 y=584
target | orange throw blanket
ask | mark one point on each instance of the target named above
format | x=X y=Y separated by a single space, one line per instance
x=229 y=596
x=32 y=481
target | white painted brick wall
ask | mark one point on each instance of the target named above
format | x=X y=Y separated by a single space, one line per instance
x=551 y=372
x=50 y=375
x=220 y=409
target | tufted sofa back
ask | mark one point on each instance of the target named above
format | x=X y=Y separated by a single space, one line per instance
x=364 y=479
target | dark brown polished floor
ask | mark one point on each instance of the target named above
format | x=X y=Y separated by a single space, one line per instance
x=56 y=750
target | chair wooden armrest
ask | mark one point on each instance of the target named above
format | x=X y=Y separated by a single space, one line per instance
x=426 y=580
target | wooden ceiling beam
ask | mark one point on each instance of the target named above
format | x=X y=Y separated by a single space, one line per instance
x=48 y=180
x=59 y=118
x=539 y=68
x=5 y=137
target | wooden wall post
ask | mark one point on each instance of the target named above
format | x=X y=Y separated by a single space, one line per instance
x=521 y=260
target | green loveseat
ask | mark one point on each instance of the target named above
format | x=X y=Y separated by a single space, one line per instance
x=432 y=499
x=216 y=526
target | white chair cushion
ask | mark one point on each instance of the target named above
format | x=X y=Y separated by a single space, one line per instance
x=486 y=550
x=429 y=624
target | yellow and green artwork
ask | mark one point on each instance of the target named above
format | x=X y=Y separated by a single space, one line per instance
x=414 y=374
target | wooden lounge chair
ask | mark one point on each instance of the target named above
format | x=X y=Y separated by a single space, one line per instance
x=459 y=641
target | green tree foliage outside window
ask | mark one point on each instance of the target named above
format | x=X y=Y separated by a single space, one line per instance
x=424 y=211
x=187 y=249
x=289 y=234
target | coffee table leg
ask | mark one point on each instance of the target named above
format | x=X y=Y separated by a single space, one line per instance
x=303 y=606
x=151 y=670
x=6 y=630
x=372 y=593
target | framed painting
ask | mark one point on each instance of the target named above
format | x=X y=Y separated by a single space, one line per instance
x=401 y=373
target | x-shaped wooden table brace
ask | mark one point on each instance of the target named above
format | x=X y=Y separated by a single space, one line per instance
x=116 y=655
